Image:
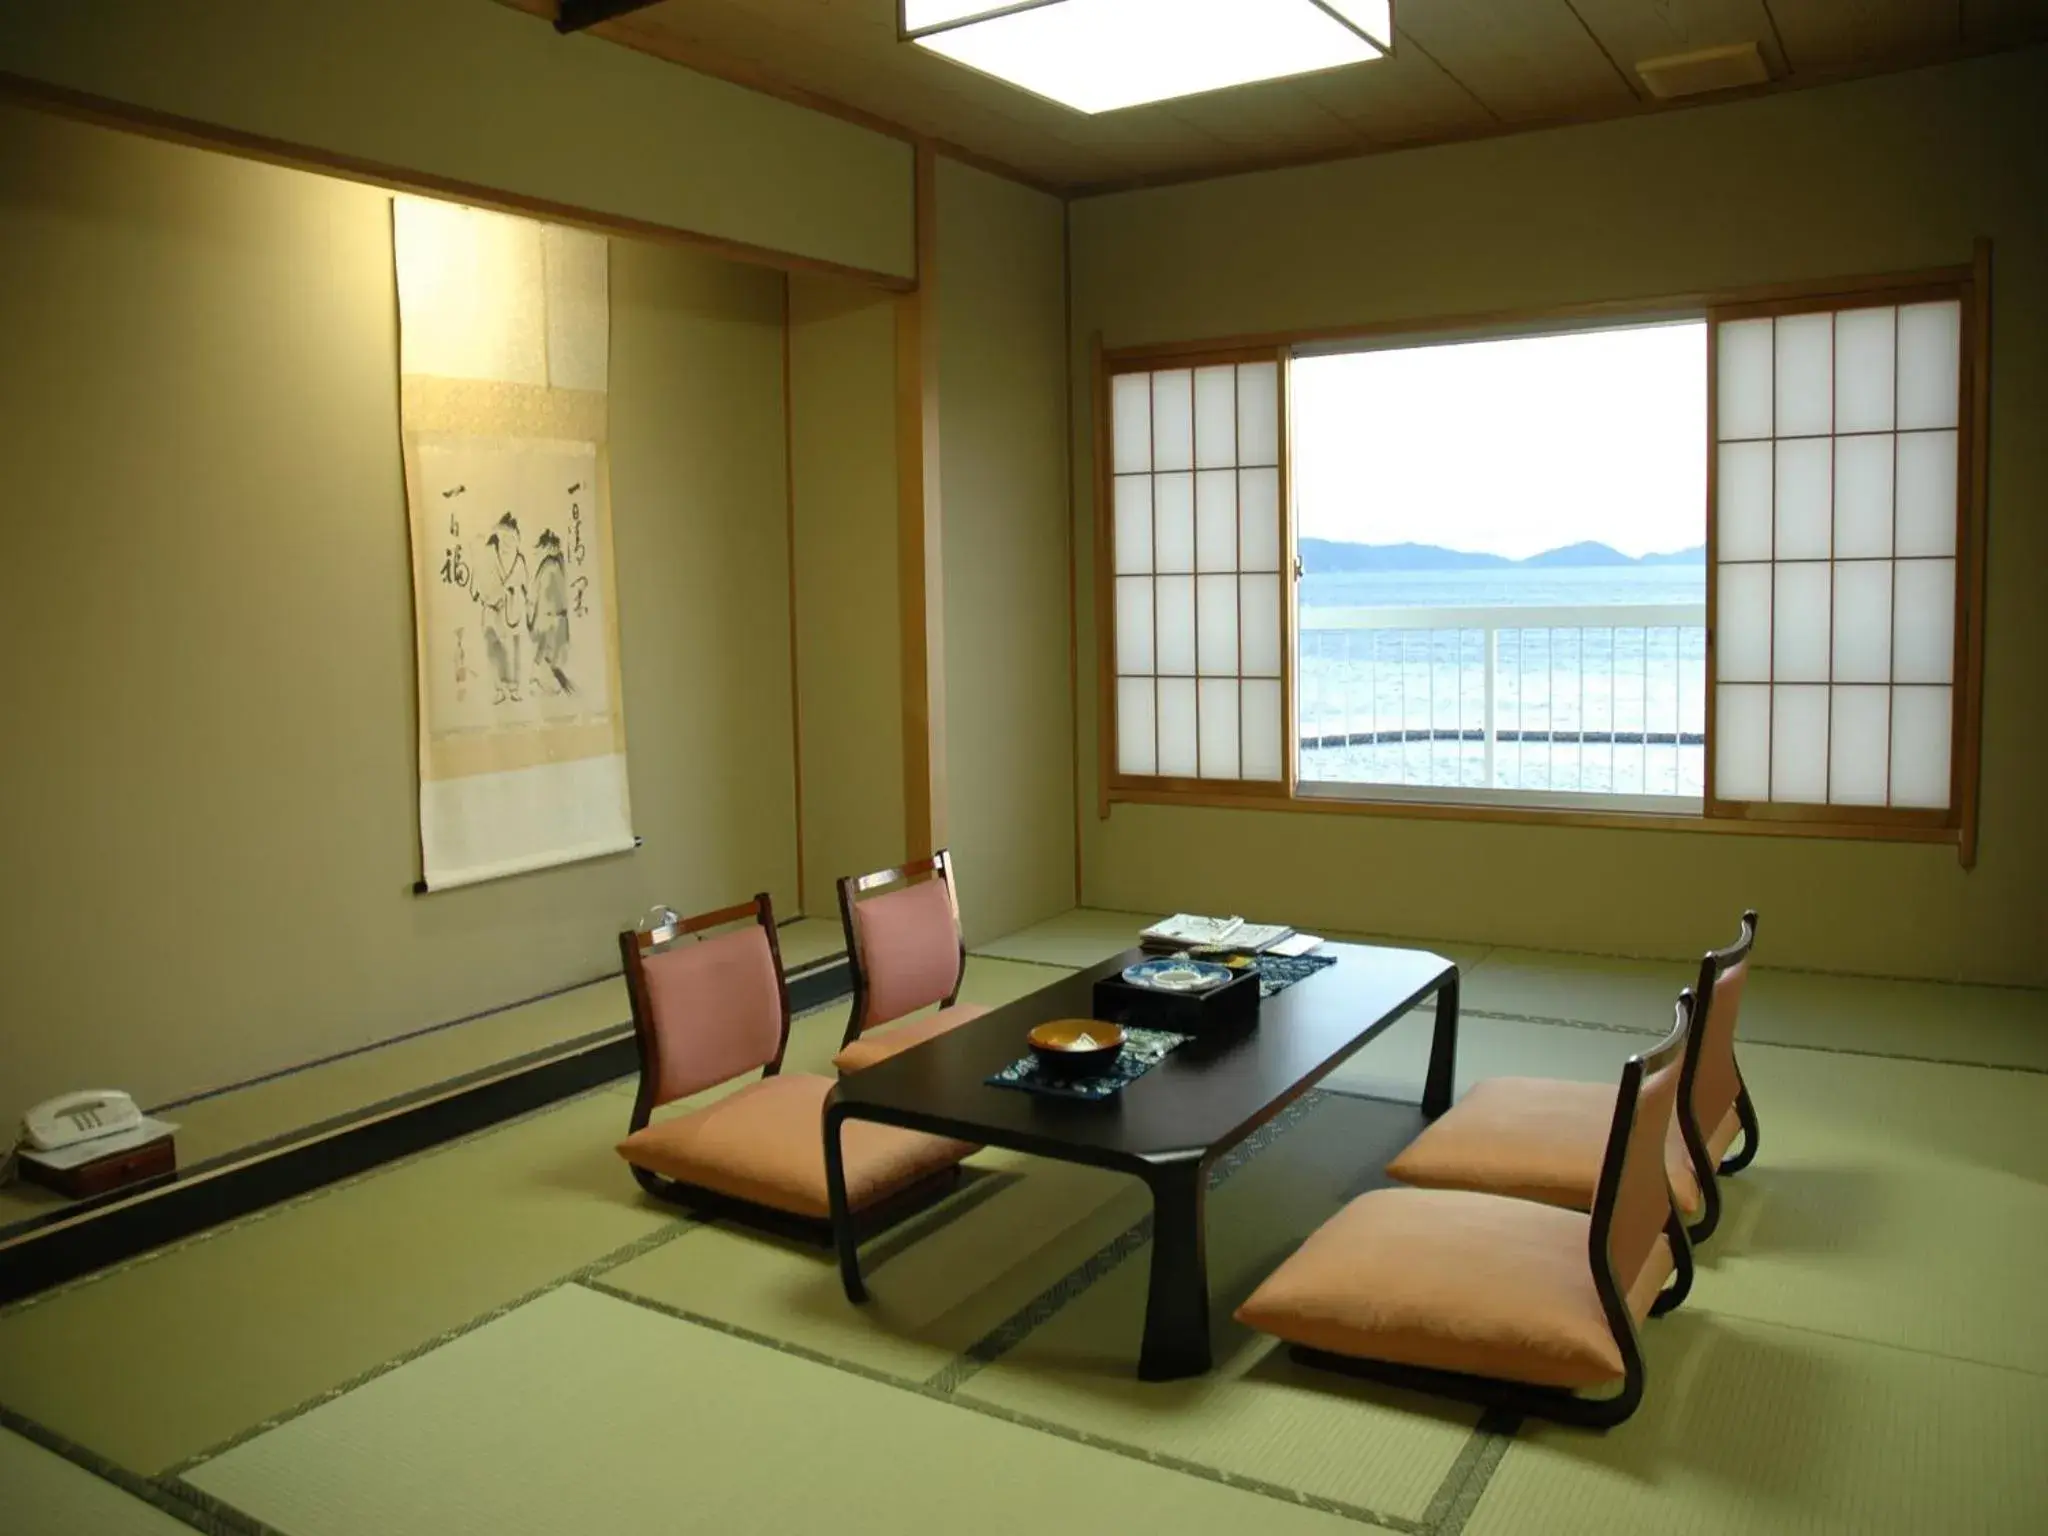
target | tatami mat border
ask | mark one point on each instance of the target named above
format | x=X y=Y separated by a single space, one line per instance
x=1750 y=1043
x=1477 y=1460
x=660 y=1237
x=1014 y=1329
x=1446 y=1514
x=1160 y=1459
x=173 y=1497
x=1453 y=1500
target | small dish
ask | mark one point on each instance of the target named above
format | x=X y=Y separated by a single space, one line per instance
x=1179 y=973
x=1076 y=1047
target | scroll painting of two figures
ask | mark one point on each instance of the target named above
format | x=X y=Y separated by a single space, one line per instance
x=504 y=363
x=517 y=623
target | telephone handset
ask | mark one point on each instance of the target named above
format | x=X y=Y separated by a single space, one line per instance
x=74 y=1117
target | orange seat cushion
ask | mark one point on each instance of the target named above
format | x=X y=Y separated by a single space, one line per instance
x=765 y=1144
x=1536 y=1138
x=880 y=1044
x=1453 y=1281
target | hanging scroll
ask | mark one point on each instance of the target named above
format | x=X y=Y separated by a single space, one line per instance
x=504 y=329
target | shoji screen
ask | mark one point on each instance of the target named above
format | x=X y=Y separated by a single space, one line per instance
x=1838 y=466
x=1197 y=545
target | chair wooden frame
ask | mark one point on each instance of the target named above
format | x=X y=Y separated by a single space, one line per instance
x=635 y=944
x=1558 y=1403
x=851 y=889
x=1706 y=1173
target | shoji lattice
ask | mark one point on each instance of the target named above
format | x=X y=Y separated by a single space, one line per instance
x=1835 y=561
x=1198 y=547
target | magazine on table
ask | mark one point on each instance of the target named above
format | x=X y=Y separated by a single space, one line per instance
x=1187 y=930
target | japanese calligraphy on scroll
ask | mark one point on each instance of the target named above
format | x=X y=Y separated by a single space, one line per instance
x=504 y=329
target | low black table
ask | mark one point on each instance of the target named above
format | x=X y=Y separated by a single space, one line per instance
x=1169 y=1126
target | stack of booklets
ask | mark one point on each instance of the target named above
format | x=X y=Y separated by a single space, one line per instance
x=1185 y=930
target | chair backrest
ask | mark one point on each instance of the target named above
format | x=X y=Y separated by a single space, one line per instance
x=1710 y=1052
x=704 y=1009
x=1632 y=1203
x=904 y=945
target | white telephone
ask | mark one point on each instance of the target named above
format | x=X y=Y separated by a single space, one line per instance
x=74 y=1117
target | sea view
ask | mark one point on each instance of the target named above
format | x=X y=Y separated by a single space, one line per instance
x=1616 y=709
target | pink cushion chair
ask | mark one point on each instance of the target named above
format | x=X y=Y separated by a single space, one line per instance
x=709 y=1010
x=906 y=953
x=1499 y=1301
x=1542 y=1139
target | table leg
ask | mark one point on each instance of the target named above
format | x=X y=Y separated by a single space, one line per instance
x=843 y=1236
x=1443 y=1051
x=1177 y=1300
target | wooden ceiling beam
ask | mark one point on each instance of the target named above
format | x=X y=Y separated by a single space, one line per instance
x=576 y=15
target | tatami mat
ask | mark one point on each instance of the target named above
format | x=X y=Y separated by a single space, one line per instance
x=1894 y=1202
x=991 y=982
x=516 y=1339
x=1760 y=1430
x=1394 y=1065
x=1621 y=994
x=42 y=1494
x=579 y=1412
x=1084 y=936
x=1992 y=1026
x=807 y=940
x=208 y=1338
x=1256 y=1416
x=935 y=1288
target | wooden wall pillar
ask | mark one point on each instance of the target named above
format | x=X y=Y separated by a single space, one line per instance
x=922 y=584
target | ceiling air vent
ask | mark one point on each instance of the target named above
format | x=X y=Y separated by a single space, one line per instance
x=1709 y=69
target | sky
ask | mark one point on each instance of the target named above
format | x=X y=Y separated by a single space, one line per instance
x=1508 y=447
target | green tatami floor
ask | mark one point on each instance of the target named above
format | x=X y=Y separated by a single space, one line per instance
x=503 y=1335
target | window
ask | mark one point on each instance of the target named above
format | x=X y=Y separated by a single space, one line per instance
x=1837 y=522
x=1772 y=507
x=1503 y=568
x=1196 y=547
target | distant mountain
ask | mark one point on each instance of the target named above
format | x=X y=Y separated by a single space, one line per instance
x=1580 y=556
x=1329 y=556
x=1697 y=555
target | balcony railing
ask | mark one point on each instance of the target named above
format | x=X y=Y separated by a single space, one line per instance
x=1533 y=704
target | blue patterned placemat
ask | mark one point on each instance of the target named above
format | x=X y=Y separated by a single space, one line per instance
x=1143 y=1050
x=1279 y=972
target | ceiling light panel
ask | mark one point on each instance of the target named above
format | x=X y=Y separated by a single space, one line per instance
x=917 y=17
x=1375 y=18
x=1099 y=55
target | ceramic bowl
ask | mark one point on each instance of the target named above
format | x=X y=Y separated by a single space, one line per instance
x=1179 y=973
x=1076 y=1047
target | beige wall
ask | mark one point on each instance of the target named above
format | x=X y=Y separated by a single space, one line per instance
x=207 y=812
x=842 y=456
x=487 y=95
x=1009 y=719
x=1886 y=174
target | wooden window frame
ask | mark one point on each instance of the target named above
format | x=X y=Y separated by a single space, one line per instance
x=1957 y=820
x=1112 y=782
x=1958 y=824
